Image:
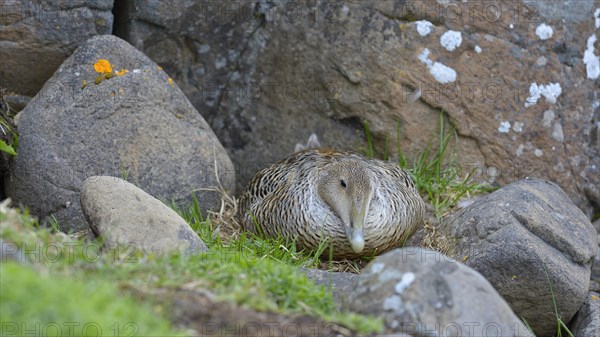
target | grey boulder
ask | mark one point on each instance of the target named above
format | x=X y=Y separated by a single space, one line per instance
x=122 y=214
x=533 y=245
x=138 y=125
x=595 y=278
x=587 y=321
x=424 y=293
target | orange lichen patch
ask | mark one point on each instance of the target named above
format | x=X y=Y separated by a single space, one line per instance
x=121 y=72
x=103 y=67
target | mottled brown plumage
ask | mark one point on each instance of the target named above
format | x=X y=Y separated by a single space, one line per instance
x=363 y=206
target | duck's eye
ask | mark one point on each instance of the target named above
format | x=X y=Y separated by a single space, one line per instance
x=343 y=183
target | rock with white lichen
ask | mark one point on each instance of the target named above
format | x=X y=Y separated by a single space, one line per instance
x=267 y=74
x=424 y=293
x=533 y=245
x=110 y=110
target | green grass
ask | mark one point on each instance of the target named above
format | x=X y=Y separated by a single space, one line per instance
x=9 y=138
x=436 y=171
x=560 y=325
x=39 y=303
x=60 y=292
x=255 y=273
x=269 y=268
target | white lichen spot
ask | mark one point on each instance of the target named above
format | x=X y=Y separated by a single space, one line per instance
x=451 y=40
x=538 y=152
x=423 y=27
x=77 y=74
x=520 y=149
x=534 y=95
x=394 y=303
x=544 y=32
x=504 y=127
x=442 y=73
x=557 y=132
x=478 y=49
x=424 y=57
x=595 y=105
x=597 y=18
x=550 y=91
x=377 y=267
x=518 y=127
x=511 y=26
x=591 y=61
x=136 y=71
x=405 y=282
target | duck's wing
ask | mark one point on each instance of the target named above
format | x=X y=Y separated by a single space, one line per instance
x=395 y=173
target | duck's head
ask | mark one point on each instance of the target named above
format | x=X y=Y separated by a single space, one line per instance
x=347 y=188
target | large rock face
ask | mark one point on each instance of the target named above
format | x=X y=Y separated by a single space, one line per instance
x=38 y=35
x=138 y=125
x=259 y=97
x=425 y=293
x=267 y=74
x=533 y=244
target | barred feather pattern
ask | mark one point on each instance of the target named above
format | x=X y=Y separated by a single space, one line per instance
x=282 y=199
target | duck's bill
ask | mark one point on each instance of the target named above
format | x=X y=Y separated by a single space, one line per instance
x=357 y=241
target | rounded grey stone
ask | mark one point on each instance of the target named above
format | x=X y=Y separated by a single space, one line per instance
x=139 y=126
x=123 y=214
x=424 y=293
x=533 y=245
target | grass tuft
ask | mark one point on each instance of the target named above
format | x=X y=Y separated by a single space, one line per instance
x=560 y=325
x=436 y=171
